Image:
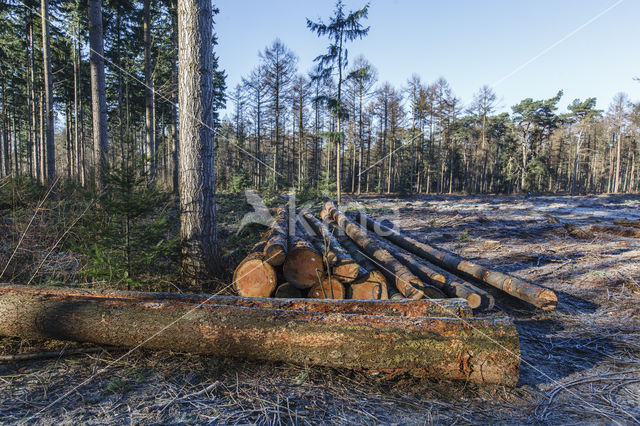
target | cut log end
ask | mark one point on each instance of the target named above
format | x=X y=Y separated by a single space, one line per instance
x=287 y=291
x=255 y=278
x=275 y=255
x=371 y=286
x=302 y=267
x=548 y=300
x=346 y=270
x=328 y=288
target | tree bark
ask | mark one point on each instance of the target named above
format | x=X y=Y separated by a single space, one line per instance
x=196 y=115
x=481 y=350
x=407 y=283
x=48 y=90
x=149 y=126
x=540 y=297
x=98 y=97
x=345 y=268
x=275 y=250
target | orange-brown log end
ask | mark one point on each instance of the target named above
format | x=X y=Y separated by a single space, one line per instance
x=275 y=255
x=254 y=278
x=346 y=270
x=327 y=288
x=372 y=285
x=302 y=267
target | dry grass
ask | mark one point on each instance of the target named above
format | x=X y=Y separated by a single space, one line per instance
x=581 y=362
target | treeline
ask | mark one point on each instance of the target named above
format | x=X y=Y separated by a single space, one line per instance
x=420 y=137
x=282 y=130
x=141 y=79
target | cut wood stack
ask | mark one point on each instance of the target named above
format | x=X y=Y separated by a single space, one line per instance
x=339 y=257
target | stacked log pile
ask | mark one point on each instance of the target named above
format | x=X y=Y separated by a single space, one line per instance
x=337 y=257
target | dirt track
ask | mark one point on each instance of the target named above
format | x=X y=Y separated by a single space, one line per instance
x=581 y=362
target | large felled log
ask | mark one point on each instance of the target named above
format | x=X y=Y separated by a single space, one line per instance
x=303 y=266
x=370 y=283
x=449 y=283
x=275 y=250
x=395 y=272
x=254 y=277
x=540 y=297
x=620 y=231
x=482 y=350
x=345 y=267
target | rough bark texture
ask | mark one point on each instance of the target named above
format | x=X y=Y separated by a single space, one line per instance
x=449 y=283
x=254 y=277
x=540 y=297
x=196 y=116
x=617 y=230
x=482 y=350
x=276 y=249
x=149 y=127
x=303 y=266
x=48 y=89
x=327 y=288
x=407 y=283
x=345 y=267
x=98 y=97
x=426 y=274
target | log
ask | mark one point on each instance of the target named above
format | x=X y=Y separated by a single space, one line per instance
x=329 y=287
x=540 y=297
x=480 y=350
x=406 y=283
x=620 y=231
x=407 y=308
x=254 y=277
x=627 y=222
x=329 y=256
x=287 y=291
x=447 y=282
x=303 y=266
x=275 y=251
x=345 y=267
x=370 y=283
x=425 y=274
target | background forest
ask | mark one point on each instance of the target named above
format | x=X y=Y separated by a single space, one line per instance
x=282 y=128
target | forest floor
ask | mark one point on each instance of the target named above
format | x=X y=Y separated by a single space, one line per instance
x=580 y=362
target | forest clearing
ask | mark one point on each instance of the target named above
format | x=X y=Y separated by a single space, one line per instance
x=585 y=348
x=264 y=213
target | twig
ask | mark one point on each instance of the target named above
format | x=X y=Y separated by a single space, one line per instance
x=48 y=354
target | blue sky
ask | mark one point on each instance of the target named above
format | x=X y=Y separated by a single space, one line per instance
x=470 y=43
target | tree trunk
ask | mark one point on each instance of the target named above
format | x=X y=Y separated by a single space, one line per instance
x=149 y=127
x=48 y=89
x=481 y=350
x=197 y=182
x=98 y=98
x=540 y=297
